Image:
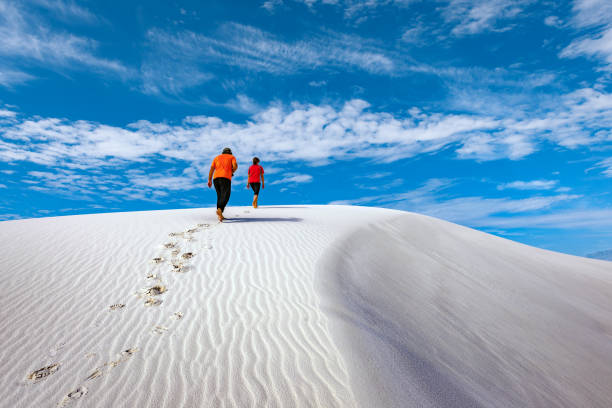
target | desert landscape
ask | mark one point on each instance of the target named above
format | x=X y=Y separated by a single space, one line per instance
x=301 y=306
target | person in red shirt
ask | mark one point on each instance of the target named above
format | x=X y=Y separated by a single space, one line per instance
x=223 y=168
x=256 y=172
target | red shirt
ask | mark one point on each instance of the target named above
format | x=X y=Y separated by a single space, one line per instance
x=255 y=172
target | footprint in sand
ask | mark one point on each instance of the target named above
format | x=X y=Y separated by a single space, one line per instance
x=157 y=260
x=42 y=373
x=125 y=355
x=178 y=267
x=154 y=277
x=82 y=390
x=150 y=293
x=177 y=316
x=159 y=329
x=175 y=252
x=72 y=396
x=54 y=350
x=116 y=306
x=188 y=255
x=152 y=302
x=191 y=230
x=169 y=245
x=155 y=290
x=97 y=373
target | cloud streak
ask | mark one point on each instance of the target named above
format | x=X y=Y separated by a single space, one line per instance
x=594 y=16
x=24 y=36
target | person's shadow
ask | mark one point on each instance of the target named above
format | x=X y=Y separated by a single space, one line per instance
x=277 y=219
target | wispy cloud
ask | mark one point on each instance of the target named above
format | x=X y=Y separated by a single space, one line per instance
x=433 y=199
x=529 y=185
x=477 y=16
x=252 y=49
x=67 y=10
x=10 y=77
x=595 y=16
x=294 y=179
x=352 y=9
x=606 y=165
x=24 y=35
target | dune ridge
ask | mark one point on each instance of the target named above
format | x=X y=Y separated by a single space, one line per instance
x=446 y=316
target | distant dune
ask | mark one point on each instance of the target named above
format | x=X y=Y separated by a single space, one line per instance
x=605 y=255
x=295 y=306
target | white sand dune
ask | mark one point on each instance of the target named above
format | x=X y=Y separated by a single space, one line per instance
x=301 y=306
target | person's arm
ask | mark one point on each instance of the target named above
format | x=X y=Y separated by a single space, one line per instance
x=262 y=180
x=210 y=174
x=234 y=166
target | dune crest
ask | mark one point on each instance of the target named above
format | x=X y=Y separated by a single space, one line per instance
x=445 y=316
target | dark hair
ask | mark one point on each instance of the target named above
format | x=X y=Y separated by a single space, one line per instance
x=255 y=160
x=227 y=150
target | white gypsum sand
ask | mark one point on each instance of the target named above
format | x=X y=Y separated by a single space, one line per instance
x=300 y=306
x=170 y=309
x=432 y=314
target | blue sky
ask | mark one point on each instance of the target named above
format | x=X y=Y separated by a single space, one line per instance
x=493 y=114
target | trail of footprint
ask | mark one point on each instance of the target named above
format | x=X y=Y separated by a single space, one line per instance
x=81 y=390
x=151 y=293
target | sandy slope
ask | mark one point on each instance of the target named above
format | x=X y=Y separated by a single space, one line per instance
x=295 y=306
x=444 y=316
x=251 y=332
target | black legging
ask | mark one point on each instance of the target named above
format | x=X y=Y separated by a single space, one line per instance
x=255 y=187
x=223 y=187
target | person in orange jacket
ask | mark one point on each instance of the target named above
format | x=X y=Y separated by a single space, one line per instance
x=223 y=168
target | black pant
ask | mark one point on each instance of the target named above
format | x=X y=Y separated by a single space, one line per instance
x=255 y=187
x=223 y=187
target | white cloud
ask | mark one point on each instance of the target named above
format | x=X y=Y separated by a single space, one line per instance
x=294 y=179
x=352 y=9
x=242 y=103
x=317 y=84
x=5 y=113
x=255 y=50
x=413 y=35
x=606 y=164
x=160 y=181
x=599 y=46
x=315 y=134
x=553 y=21
x=378 y=175
x=26 y=36
x=567 y=219
x=3 y=186
x=529 y=185
x=10 y=77
x=67 y=10
x=271 y=5
x=595 y=16
x=477 y=16
x=477 y=211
